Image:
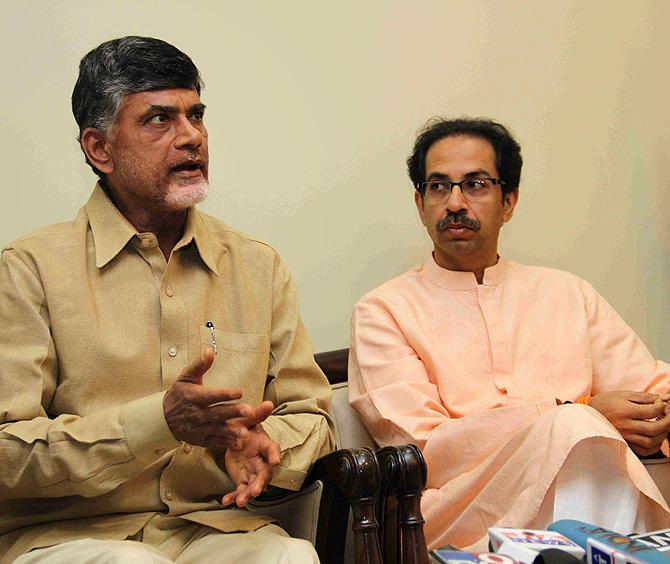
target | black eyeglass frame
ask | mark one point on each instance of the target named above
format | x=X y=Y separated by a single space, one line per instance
x=422 y=186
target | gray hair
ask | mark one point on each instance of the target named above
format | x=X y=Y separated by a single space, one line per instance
x=120 y=67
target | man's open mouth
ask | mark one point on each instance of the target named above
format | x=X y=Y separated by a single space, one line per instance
x=189 y=166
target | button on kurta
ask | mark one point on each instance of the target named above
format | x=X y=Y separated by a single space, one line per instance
x=169 y=292
x=187 y=448
x=172 y=351
x=168 y=495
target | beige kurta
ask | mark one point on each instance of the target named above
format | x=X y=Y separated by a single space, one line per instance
x=471 y=372
x=95 y=326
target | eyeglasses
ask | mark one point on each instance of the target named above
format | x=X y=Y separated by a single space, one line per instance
x=438 y=191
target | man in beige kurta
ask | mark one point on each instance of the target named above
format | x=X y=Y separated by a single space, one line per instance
x=468 y=356
x=123 y=331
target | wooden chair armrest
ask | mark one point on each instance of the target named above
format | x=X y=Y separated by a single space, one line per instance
x=351 y=479
x=403 y=478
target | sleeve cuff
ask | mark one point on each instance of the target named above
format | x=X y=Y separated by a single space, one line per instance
x=147 y=432
x=283 y=475
x=287 y=479
x=286 y=436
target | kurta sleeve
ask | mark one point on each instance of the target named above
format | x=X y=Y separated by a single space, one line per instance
x=301 y=422
x=621 y=361
x=399 y=401
x=66 y=455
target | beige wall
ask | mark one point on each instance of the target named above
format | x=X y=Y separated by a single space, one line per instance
x=313 y=108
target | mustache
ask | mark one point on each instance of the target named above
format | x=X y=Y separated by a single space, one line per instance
x=458 y=219
x=194 y=159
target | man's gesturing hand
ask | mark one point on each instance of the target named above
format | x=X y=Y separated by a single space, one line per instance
x=251 y=467
x=195 y=415
x=634 y=416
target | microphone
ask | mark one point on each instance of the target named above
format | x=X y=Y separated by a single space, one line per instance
x=660 y=540
x=450 y=555
x=531 y=545
x=605 y=546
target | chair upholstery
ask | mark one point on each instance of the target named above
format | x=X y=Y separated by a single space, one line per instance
x=350 y=429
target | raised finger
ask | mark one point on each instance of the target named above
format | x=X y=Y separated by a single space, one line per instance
x=262 y=411
x=259 y=414
x=227 y=412
x=195 y=369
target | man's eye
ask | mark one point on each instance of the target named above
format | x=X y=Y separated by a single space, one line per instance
x=158 y=118
x=438 y=186
x=198 y=116
x=475 y=184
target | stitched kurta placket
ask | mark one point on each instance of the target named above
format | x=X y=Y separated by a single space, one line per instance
x=488 y=296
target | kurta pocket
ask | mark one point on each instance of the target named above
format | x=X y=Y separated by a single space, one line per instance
x=241 y=361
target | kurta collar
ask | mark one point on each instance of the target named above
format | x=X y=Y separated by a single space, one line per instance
x=456 y=280
x=112 y=231
x=196 y=230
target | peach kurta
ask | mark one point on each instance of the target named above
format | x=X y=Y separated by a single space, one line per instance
x=471 y=372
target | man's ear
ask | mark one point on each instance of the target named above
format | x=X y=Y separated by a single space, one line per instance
x=509 y=203
x=95 y=145
x=418 y=200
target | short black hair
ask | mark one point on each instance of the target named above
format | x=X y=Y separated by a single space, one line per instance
x=507 y=150
x=123 y=66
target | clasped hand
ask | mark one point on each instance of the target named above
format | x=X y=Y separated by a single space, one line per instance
x=642 y=418
x=196 y=415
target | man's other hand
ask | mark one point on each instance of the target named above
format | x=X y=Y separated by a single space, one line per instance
x=196 y=415
x=639 y=416
x=251 y=467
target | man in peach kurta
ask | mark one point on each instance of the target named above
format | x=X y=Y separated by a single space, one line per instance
x=481 y=362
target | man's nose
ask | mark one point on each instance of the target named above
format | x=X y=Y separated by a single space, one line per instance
x=188 y=134
x=456 y=201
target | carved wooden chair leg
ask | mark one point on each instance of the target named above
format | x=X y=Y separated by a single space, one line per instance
x=403 y=475
x=351 y=479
